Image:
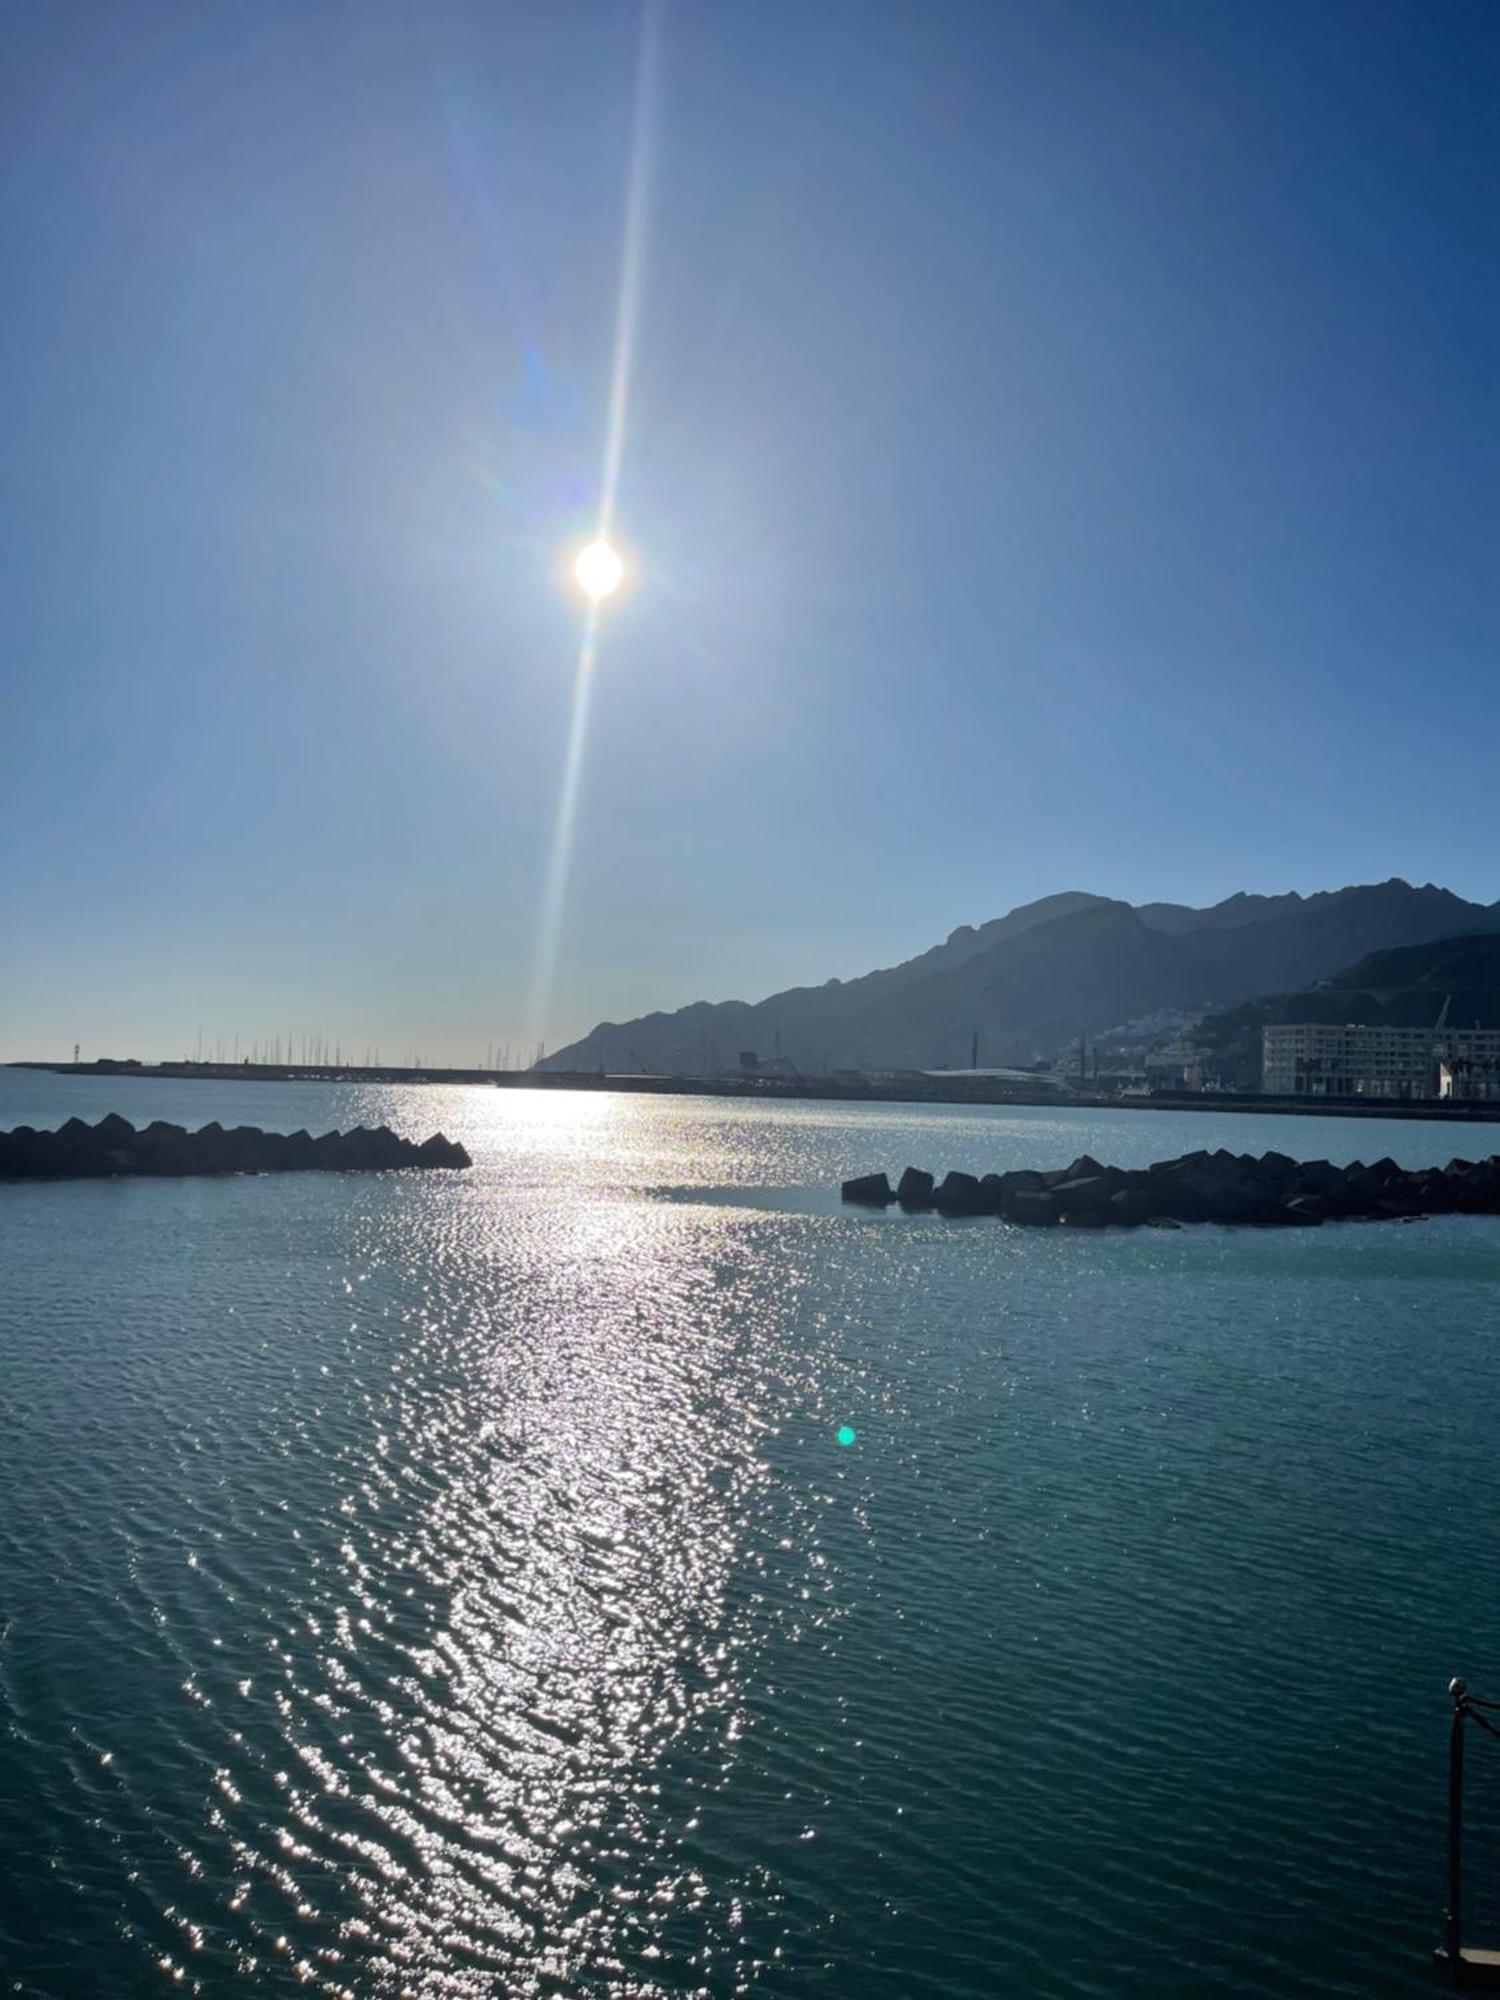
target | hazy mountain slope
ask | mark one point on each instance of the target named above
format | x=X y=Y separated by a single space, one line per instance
x=1335 y=928
x=809 y=1023
x=1451 y=966
x=1033 y=981
x=1031 y=994
x=963 y=944
x=1404 y=988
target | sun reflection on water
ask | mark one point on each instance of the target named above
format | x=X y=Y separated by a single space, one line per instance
x=456 y=1586
x=530 y=1607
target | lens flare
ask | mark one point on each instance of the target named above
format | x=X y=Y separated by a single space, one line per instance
x=599 y=570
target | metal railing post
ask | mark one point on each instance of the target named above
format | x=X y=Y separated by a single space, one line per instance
x=1453 y=1924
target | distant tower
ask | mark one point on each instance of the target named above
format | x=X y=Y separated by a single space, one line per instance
x=75 y=1055
x=974 y=1051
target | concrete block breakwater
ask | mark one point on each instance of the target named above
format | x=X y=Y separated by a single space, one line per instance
x=77 y=1151
x=1271 y=1190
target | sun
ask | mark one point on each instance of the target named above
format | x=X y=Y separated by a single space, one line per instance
x=599 y=570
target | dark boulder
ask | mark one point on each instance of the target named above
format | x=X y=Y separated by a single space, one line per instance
x=397 y=1152
x=1304 y=1210
x=75 y=1150
x=1356 y=1194
x=914 y=1189
x=212 y=1150
x=1204 y=1187
x=1216 y=1187
x=252 y=1149
x=1085 y=1167
x=45 y=1157
x=1183 y=1189
x=441 y=1152
x=361 y=1150
x=869 y=1190
x=1431 y=1190
x=1036 y=1208
x=1401 y=1195
x=1254 y=1200
x=1085 y=1194
x=163 y=1149
x=1476 y=1190
x=960 y=1194
x=20 y=1151
x=294 y=1151
x=1127 y=1208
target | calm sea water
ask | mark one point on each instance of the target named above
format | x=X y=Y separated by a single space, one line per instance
x=455 y=1586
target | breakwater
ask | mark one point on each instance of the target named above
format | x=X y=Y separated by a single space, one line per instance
x=77 y=1151
x=1266 y=1190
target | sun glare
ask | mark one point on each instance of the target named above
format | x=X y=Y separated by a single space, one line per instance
x=599 y=570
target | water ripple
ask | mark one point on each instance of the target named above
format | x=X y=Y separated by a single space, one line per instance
x=456 y=1588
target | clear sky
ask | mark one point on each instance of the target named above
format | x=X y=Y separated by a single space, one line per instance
x=1060 y=452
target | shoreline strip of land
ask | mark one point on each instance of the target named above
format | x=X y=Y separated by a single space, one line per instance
x=931 y=1089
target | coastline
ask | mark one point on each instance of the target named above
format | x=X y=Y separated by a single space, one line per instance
x=929 y=1090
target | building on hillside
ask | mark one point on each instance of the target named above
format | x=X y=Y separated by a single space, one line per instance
x=1313 y=1059
x=1174 y=1066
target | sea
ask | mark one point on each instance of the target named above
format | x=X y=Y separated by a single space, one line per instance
x=621 y=1570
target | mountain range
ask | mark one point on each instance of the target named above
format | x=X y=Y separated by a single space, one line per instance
x=1030 y=982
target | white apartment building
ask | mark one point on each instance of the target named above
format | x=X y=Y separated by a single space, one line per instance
x=1307 y=1059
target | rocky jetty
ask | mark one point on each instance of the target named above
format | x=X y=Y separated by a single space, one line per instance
x=1269 y=1190
x=77 y=1151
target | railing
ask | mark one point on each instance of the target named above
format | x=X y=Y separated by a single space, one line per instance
x=1466 y=1968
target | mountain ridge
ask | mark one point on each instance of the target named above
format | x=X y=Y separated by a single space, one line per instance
x=1029 y=982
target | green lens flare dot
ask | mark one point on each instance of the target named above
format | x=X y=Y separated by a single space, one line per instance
x=846 y=1433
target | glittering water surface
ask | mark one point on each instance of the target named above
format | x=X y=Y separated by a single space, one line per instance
x=619 y=1571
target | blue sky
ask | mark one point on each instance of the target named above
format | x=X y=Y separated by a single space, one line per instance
x=1060 y=452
